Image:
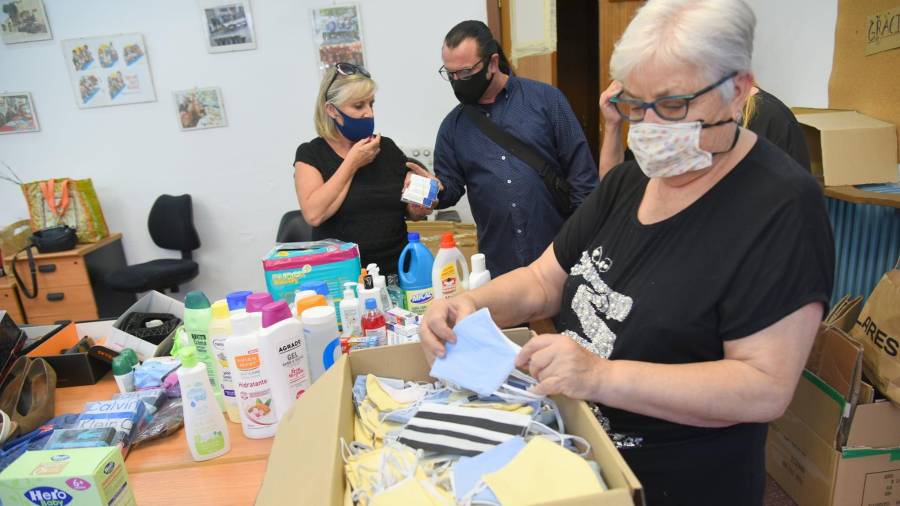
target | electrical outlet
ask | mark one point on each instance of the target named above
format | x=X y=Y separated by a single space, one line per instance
x=422 y=154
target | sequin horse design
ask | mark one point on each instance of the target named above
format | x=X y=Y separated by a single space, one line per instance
x=596 y=298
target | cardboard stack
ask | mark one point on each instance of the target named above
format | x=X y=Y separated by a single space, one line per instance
x=835 y=445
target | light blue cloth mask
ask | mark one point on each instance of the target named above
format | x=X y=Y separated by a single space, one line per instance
x=482 y=357
x=468 y=471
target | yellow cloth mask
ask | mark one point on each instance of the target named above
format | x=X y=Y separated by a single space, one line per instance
x=528 y=479
x=390 y=464
x=412 y=491
x=369 y=428
x=380 y=396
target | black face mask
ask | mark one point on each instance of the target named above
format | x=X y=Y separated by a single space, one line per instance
x=470 y=90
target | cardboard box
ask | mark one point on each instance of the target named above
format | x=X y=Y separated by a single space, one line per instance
x=849 y=148
x=77 y=477
x=305 y=465
x=155 y=302
x=834 y=446
x=77 y=369
x=430 y=232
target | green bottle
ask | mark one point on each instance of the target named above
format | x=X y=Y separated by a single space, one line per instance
x=197 y=316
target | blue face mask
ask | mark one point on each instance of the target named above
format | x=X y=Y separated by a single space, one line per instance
x=482 y=358
x=355 y=129
x=468 y=471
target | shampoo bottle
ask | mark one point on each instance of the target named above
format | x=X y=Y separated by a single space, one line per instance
x=282 y=353
x=197 y=317
x=219 y=332
x=204 y=424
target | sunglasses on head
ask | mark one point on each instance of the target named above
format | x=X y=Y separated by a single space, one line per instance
x=345 y=69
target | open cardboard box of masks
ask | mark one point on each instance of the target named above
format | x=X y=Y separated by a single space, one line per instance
x=835 y=445
x=305 y=466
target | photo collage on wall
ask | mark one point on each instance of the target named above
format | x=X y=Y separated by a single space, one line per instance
x=110 y=70
x=337 y=33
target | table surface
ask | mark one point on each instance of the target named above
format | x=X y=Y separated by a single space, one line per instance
x=80 y=250
x=163 y=472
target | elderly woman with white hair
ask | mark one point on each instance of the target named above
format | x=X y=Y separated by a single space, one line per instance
x=349 y=179
x=690 y=285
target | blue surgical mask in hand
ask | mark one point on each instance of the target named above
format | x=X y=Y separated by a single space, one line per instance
x=481 y=359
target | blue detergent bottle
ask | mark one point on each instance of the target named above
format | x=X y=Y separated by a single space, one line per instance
x=414 y=269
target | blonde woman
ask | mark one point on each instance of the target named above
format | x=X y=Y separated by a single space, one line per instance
x=349 y=179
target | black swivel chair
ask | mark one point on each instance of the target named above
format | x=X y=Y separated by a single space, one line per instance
x=293 y=228
x=171 y=225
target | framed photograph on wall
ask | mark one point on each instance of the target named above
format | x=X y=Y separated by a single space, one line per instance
x=23 y=21
x=17 y=113
x=109 y=70
x=200 y=108
x=337 y=34
x=228 y=25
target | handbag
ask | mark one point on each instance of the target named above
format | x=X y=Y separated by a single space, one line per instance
x=50 y=240
x=66 y=202
x=560 y=189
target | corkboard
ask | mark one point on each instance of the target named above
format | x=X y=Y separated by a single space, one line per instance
x=868 y=84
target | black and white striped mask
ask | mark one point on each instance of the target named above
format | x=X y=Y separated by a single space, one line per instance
x=457 y=430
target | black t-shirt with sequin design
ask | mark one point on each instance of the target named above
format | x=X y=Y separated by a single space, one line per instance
x=372 y=215
x=752 y=250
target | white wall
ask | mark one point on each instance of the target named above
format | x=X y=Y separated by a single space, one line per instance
x=241 y=176
x=793 y=49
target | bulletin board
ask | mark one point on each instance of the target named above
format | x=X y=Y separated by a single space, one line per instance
x=869 y=83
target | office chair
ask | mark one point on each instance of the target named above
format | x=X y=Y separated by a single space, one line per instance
x=171 y=225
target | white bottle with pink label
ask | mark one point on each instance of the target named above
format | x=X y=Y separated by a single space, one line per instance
x=283 y=355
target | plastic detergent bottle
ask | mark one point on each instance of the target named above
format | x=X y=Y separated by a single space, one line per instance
x=204 y=424
x=480 y=275
x=323 y=341
x=414 y=268
x=197 y=317
x=349 y=309
x=282 y=353
x=310 y=302
x=373 y=324
x=255 y=303
x=237 y=301
x=219 y=331
x=450 y=272
x=254 y=395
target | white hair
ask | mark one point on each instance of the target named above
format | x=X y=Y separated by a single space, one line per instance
x=715 y=36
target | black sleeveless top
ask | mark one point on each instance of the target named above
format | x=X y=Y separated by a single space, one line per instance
x=372 y=214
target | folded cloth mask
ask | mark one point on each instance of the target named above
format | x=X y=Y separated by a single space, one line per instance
x=482 y=357
x=543 y=472
x=455 y=430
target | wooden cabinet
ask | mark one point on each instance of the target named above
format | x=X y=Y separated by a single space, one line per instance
x=71 y=283
x=9 y=299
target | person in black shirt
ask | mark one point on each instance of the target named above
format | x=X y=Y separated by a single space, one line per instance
x=763 y=114
x=348 y=180
x=690 y=285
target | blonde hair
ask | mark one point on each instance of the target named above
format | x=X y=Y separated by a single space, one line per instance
x=344 y=89
x=750 y=107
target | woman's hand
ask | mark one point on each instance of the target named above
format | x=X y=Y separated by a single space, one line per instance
x=436 y=327
x=611 y=117
x=415 y=211
x=562 y=367
x=363 y=152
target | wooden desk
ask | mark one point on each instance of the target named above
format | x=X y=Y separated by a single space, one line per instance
x=163 y=472
x=71 y=284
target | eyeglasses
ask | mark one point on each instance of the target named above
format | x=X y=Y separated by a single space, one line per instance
x=461 y=74
x=673 y=108
x=345 y=69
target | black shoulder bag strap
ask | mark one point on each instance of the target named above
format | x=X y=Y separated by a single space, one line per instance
x=32 y=267
x=559 y=188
